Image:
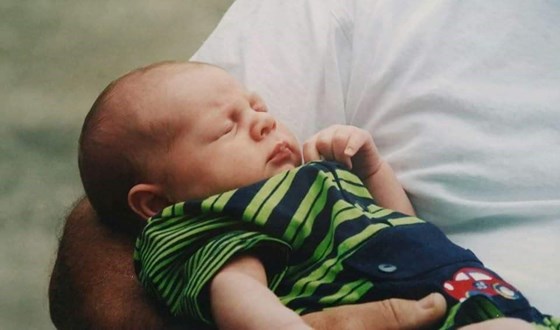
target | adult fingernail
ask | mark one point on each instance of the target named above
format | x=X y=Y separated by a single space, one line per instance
x=427 y=302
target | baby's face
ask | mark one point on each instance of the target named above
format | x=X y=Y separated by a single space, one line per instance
x=226 y=138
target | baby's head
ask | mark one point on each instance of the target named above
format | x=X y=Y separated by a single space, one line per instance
x=175 y=131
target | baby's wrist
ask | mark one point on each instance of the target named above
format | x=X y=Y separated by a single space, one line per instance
x=375 y=169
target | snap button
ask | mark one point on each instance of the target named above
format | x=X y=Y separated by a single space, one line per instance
x=387 y=268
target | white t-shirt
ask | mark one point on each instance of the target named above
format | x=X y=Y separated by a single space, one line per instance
x=462 y=99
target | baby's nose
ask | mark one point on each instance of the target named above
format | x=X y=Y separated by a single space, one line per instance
x=263 y=124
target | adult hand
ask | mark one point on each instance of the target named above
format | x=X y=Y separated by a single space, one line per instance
x=382 y=315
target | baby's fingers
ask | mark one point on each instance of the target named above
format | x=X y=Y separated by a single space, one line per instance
x=310 y=151
x=319 y=146
x=339 y=145
x=356 y=140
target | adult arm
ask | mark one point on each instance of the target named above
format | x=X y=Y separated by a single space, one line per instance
x=93 y=285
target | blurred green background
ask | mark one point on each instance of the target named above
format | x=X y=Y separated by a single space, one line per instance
x=55 y=57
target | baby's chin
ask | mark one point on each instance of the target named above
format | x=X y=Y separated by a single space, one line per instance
x=282 y=168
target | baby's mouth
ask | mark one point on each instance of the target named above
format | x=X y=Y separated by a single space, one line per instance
x=280 y=154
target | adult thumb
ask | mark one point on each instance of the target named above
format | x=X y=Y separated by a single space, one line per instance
x=410 y=314
x=382 y=315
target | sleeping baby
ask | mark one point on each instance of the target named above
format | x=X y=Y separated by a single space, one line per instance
x=238 y=233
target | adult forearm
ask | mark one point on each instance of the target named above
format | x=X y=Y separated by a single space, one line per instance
x=93 y=284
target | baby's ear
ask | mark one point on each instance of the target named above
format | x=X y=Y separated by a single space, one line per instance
x=147 y=200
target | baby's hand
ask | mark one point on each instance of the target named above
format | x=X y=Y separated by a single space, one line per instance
x=348 y=145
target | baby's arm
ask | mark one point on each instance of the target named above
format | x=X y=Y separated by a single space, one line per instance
x=241 y=299
x=355 y=148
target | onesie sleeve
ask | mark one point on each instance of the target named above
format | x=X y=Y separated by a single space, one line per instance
x=203 y=265
x=177 y=258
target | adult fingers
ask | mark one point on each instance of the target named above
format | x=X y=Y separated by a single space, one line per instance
x=382 y=315
x=407 y=314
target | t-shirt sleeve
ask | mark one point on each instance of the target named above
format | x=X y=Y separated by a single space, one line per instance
x=181 y=278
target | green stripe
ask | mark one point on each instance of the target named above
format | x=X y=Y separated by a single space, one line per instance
x=355 y=240
x=311 y=213
x=167 y=243
x=405 y=221
x=330 y=268
x=342 y=212
x=372 y=208
x=153 y=237
x=348 y=176
x=350 y=183
x=305 y=287
x=378 y=214
x=314 y=193
x=257 y=202
x=217 y=203
x=208 y=202
x=348 y=293
x=219 y=253
x=200 y=273
x=267 y=198
x=170 y=288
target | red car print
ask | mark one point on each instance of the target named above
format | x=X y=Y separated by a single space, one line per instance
x=468 y=282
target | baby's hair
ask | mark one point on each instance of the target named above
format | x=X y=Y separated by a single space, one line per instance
x=111 y=155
